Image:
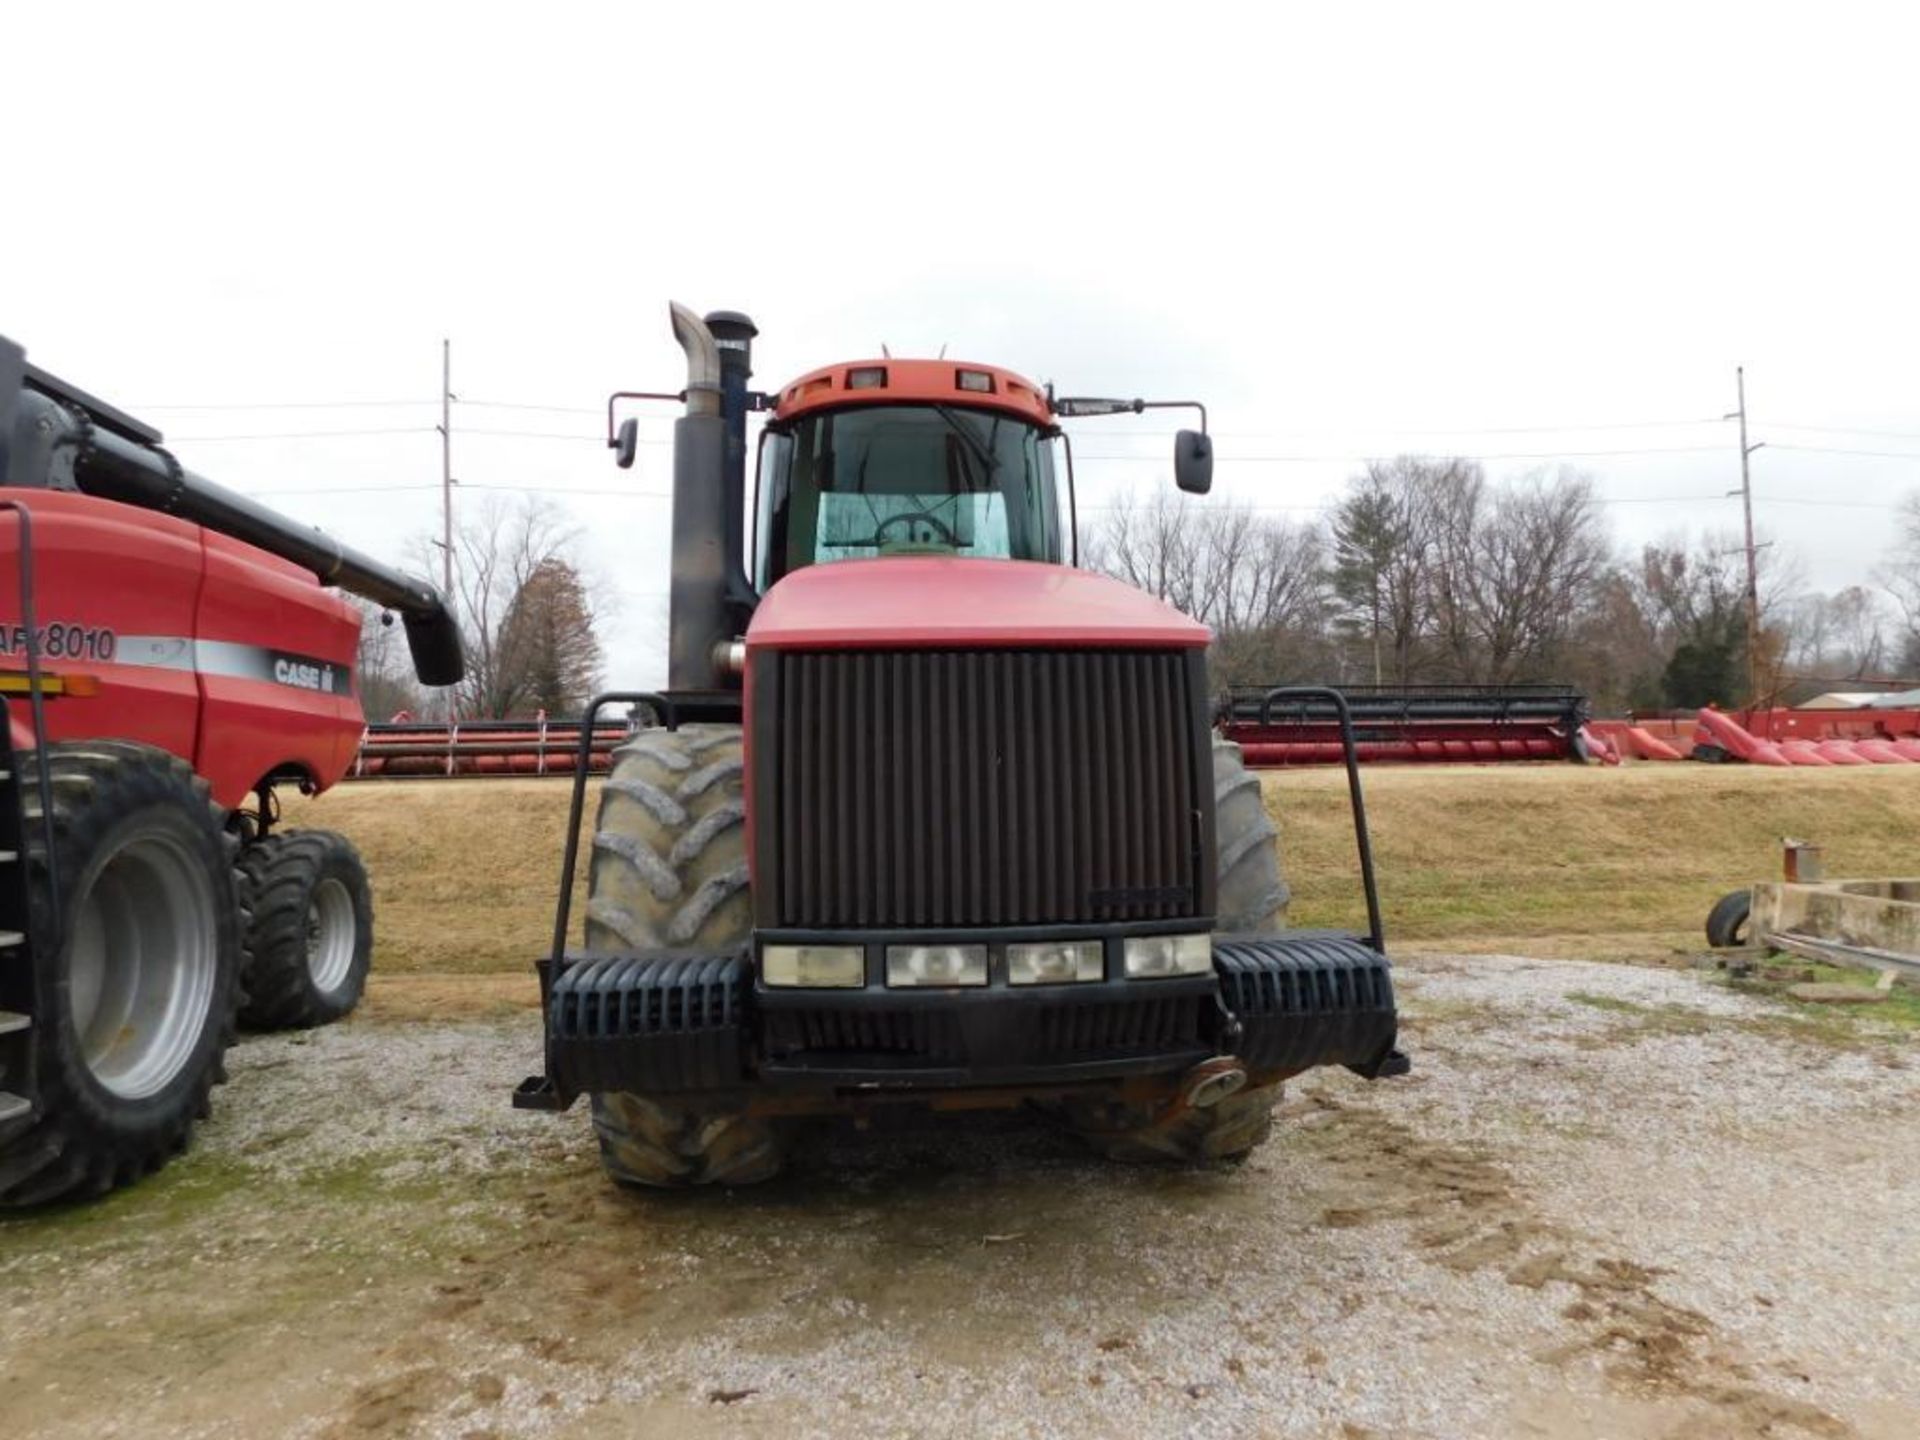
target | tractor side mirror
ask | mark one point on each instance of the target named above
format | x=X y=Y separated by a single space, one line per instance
x=1193 y=462
x=628 y=443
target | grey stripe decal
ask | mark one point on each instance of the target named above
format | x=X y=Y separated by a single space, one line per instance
x=236 y=661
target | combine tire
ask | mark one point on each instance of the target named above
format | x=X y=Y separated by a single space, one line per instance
x=1252 y=901
x=136 y=1006
x=311 y=939
x=1727 y=921
x=669 y=869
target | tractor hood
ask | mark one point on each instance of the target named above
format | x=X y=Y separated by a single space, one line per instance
x=942 y=601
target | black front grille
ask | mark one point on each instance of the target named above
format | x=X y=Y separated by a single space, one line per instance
x=961 y=788
x=984 y=1039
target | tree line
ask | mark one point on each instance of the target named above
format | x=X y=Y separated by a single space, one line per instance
x=1428 y=572
x=1424 y=572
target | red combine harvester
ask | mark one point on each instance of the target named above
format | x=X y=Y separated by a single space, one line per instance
x=932 y=818
x=169 y=656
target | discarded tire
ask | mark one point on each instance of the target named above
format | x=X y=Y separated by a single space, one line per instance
x=669 y=869
x=310 y=941
x=140 y=992
x=1727 y=922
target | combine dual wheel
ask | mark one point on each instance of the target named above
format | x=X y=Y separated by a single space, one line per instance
x=311 y=941
x=139 y=999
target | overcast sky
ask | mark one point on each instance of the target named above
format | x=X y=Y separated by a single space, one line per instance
x=1457 y=229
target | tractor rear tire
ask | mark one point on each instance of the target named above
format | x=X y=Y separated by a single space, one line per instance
x=136 y=1006
x=310 y=943
x=1252 y=901
x=669 y=869
x=1727 y=921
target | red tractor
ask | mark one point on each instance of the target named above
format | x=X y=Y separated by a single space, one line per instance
x=932 y=817
x=169 y=655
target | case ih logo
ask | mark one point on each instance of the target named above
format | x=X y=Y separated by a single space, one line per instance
x=289 y=670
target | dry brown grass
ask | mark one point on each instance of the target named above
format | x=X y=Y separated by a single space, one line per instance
x=1594 y=861
x=1552 y=858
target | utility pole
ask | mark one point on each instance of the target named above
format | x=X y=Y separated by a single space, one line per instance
x=1745 y=492
x=446 y=470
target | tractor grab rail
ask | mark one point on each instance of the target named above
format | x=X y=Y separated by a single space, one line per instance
x=669 y=714
x=1376 y=933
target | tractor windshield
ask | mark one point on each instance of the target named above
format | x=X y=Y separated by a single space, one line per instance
x=905 y=480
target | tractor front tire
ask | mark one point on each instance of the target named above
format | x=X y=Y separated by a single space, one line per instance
x=669 y=870
x=1253 y=899
x=136 y=1004
x=310 y=943
x=1141 y=1135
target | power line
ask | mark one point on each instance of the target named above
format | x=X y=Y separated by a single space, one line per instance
x=280 y=405
x=301 y=435
x=524 y=405
x=1835 y=450
x=1362 y=459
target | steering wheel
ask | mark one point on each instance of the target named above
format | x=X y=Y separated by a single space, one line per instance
x=933 y=522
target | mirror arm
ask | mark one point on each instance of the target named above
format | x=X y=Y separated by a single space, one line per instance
x=613 y=437
x=1176 y=405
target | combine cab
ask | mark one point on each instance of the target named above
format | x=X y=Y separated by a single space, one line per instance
x=169 y=655
x=933 y=817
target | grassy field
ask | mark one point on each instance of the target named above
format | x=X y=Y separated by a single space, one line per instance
x=1553 y=859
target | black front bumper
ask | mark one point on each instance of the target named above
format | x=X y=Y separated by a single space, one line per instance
x=683 y=1022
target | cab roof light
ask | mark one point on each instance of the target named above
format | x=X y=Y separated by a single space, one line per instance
x=978 y=381
x=867 y=377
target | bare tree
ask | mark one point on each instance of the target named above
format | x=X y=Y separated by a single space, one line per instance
x=1256 y=580
x=1899 y=576
x=499 y=546
x=383 y=666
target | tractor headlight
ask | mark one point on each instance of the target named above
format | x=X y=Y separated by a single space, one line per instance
x=936 y=965
x=821 y=967
x=1055 y=962
x=1154 y=957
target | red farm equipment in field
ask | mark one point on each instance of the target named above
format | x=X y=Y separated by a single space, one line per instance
x=932 y=817
x=1453 y=724
x=169 y=656
x=482 y=749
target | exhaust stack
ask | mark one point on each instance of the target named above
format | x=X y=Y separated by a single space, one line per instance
x=711 y=599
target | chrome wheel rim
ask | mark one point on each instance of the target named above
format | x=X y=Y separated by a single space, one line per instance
x=332 y=930
x=142 y=964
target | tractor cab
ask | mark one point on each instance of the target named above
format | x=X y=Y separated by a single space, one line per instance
x=910 y=457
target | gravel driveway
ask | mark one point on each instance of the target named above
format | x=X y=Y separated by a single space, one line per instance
x=1609 y=1202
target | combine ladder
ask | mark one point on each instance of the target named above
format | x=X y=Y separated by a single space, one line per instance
x=16 y=955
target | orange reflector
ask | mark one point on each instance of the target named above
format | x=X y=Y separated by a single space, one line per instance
x=18 y=682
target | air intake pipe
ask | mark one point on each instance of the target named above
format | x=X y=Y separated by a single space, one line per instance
x=711 y=599
x=63 y=438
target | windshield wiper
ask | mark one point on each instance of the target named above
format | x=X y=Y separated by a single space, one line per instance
x=973 y=442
